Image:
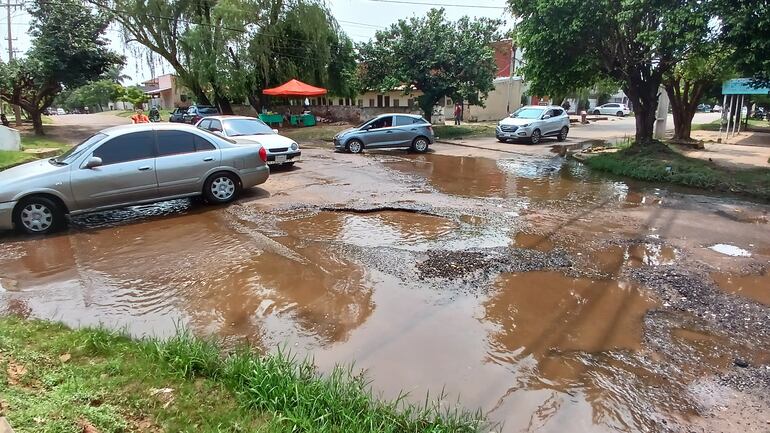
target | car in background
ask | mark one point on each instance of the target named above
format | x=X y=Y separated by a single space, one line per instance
x=282 y=151
x=716 y=108
x=405 y=131
x=706 y=108
x=533 y=122
x=178 y=114
x=197 y=112
x=612 y=109
x=128 y=165
x=60 y=112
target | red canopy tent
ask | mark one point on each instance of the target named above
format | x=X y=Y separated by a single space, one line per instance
x=295 y=88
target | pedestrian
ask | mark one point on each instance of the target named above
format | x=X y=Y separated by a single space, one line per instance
x=140 y=117
x=458 y=113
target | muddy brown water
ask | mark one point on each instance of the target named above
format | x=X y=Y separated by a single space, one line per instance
x=539 y=351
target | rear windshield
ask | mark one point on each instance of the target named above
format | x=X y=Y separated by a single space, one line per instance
x=207 y=110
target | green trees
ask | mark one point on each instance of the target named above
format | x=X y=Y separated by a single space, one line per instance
x=230 y=50
x=67 y=50
x=438 y=57
x=635 y=42
x=95 y=95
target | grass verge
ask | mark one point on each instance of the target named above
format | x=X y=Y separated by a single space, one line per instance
x=59 y=380
x=453 y=132
x=661 y=164
x=10 y=158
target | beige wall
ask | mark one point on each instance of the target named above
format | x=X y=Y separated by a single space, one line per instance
x=499 y=101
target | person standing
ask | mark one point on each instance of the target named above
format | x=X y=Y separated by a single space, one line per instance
x=458 y=113
x=140 y=117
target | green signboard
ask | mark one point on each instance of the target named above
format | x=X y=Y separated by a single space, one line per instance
x=743 y=86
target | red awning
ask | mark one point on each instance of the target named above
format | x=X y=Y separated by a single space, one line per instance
x=295 y=88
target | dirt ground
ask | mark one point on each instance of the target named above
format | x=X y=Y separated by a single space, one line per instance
x=497 y=276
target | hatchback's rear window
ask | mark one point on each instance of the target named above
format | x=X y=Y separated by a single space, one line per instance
x=207 y=110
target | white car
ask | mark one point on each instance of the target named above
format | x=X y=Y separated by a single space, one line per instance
x=716 y=108
x=534 y=122
x=282 y=151
x=612 y=109
x=60 y=111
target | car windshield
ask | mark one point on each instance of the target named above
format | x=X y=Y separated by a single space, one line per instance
x=75 y=151
x=207 y=110
x=237 y=127
x=527 y=113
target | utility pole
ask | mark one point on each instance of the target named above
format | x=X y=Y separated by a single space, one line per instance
x=8 y=6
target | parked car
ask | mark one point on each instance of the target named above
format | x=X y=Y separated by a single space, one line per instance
x=197 y=112
x=612 y=109
x=128 y=165
x=716 y=108
x=280 y=150
x=706 y=108
x=533 y=122
x=387 y=131
x=178 y=114
x=60 y=111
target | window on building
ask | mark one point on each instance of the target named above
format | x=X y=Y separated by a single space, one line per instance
x=387 y=101
x=371 y=102
x=379 y=100
x=410 y=102
x=341 y=102
x=360 y=103
x=396 y=103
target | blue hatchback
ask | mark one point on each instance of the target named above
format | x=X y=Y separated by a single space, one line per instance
x=387 y=131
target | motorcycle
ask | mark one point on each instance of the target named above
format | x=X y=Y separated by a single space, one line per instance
x=760 y=113
x=154 y=115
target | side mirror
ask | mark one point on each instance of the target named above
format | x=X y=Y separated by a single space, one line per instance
x=93 y=162
x=546 y=116
x=275 y=131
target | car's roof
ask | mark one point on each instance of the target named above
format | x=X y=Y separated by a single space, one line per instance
x=415 y=116
x=139 y=127
x=230 y=116
x=541 y=107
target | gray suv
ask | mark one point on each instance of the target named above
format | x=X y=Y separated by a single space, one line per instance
x=128 y=165
x=387 y=131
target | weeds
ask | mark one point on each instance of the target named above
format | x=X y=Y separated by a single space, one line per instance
x=113 y=383
x=664 y=165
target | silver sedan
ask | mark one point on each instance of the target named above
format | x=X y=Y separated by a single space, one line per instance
x=128 y=165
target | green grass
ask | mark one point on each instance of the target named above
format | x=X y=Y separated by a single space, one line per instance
x=311 y=134
x=661 y=164
x=187 y=384
x=711 y=126
x=11 y=158
x=468 y=130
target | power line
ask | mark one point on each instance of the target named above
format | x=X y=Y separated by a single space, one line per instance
x=454 y=5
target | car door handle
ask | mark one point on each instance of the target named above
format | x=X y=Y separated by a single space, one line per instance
x=208 y=159
x=388 y=132
x=145 y=168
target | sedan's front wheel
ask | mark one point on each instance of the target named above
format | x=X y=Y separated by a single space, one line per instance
x=620 y=114
x=221 y=188
x=597 y=112
x=355 y=146
x=38 y=216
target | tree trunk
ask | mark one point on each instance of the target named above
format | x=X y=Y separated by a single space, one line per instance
x=254 y=102
x=37 y=121
x=224 y=105
x=683 y=105
x=644 y=97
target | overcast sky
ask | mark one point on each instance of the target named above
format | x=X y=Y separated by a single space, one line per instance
x=359 y=18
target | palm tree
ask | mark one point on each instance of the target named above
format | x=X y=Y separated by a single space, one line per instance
x=115 y=74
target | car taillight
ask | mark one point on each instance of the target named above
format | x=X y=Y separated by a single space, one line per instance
x=263 y=154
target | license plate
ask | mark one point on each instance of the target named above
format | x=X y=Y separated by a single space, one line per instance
x=280 y=159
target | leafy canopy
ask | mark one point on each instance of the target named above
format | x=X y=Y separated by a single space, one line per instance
x=436 y=56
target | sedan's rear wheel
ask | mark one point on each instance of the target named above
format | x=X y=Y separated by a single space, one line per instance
x=619 y=114
x=535 y=138
x=563 y=133
x=38 y=215
x=221 y=188
x=355 y=146
x=420 y=144
x=597 y=112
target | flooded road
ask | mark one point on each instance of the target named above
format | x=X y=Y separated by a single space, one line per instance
x=551 y=298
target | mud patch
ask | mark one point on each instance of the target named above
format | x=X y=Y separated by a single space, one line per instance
x=612 y=259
